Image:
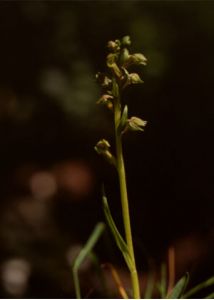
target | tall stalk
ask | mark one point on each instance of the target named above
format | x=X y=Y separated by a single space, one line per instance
x=124 y=200
x=112 y=83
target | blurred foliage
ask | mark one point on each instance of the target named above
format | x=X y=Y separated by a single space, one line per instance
x=49 y=123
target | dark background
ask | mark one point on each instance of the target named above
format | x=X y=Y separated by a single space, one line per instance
x=50 y=176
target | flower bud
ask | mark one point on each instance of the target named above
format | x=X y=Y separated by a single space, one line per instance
x=135 y=124
x=106 y=99
x=135 y=78
x=132 y=78
x=126 y=41
x=136 y=59
x=124 y=56
x=114 y=46
x=104 y=80
x=102 y=148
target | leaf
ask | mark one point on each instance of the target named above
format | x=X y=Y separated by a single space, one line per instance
x=86 y=250
x=210 y=296
x=162 y=285
x=200 y=286
x=123 y=120
x=149 y=286
x=179 y=288
x=117 y=236
x=117 y=280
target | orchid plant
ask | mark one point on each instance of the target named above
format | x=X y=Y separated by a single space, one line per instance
x=113 y=82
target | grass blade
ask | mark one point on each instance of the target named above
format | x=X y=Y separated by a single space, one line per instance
x=171 y=268
x=97 y=232
x=210 y=296
x=199 y=287
x=149 y=287
x=117 y=236
x=179 y=288
x=162 y=286
x=117 y=281
x=99 y=273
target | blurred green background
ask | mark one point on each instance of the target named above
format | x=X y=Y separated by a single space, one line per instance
x=50 y=176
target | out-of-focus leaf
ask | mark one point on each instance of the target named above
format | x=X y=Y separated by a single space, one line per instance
x=86 y=250
x=162 y=286
x=179 y=288
x=149 y=287
x=117 y=280
x=199 y=287
x=210 y=296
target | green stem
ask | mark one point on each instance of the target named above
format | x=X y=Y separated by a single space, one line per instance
x=124 y=199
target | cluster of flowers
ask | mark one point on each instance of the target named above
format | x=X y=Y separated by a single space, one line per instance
x=119 y=60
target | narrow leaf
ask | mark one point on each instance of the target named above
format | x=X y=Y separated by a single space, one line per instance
x=117 y=236
x=162 y=285
x=179 y=288
x=200 y=286
x=86 y=250
x=149 y=287
x=210 y=296
x=117 y=280
x=123 y=119
x=115 y=88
